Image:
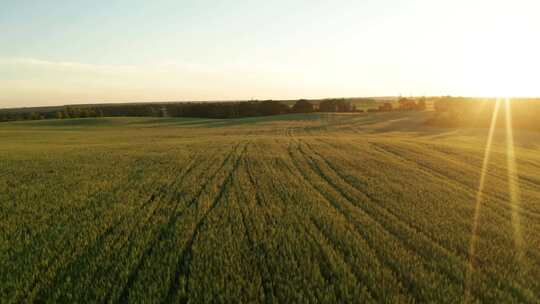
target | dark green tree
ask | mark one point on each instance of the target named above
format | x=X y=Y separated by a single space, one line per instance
x=302 y=106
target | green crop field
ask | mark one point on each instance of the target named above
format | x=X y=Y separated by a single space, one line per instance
x=283 y=209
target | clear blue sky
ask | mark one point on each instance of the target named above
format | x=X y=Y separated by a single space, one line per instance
x=57 y=52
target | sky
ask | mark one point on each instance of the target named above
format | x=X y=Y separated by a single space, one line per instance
x=66 y=52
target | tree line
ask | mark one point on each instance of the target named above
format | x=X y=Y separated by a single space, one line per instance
x=201 y=109
x=185 y=109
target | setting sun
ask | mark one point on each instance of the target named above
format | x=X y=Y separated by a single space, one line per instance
x=196 y=51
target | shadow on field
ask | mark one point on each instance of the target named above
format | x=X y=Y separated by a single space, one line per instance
x=75 y=122
x=265 y=119
x=410 y=122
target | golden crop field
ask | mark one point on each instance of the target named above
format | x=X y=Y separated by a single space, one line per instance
x=293 y=208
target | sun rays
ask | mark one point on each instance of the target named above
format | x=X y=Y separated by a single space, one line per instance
x=513 y=189
x=479 y=195
x=513 y=180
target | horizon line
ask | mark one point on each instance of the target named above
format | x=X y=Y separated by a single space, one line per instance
x=262 y=99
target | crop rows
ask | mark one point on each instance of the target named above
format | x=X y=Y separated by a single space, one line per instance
x=319 y=208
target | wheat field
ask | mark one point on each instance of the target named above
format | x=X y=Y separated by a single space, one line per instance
x=296 y=208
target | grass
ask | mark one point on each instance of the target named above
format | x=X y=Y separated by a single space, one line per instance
x=294 y=208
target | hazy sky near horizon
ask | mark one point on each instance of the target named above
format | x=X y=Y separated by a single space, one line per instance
x=62 y=52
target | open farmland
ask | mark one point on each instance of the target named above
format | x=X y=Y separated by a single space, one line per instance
x=294 y=208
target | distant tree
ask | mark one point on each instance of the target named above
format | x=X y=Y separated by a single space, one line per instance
x=247 y=109
x=335 y=105
x=386 y=107
x=162 y=112
x=344 y=106
x=406 y=104
x=35 y=116
x=187 y=109
x=328 y=105
x=272 y=107
x=421 y=106
x=70 y=113
x=302 y=106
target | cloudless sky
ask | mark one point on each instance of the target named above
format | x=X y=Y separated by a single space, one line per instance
x=60 y=52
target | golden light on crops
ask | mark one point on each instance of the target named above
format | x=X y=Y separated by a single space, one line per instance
x=479 y=196
x=513 y=190
x=513 y=179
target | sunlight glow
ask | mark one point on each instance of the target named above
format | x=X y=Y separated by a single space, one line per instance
x=234 y=50
x=513 y=180
x=513 y=187
x=479 y=196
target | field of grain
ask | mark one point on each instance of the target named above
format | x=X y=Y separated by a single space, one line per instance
x=295 y=208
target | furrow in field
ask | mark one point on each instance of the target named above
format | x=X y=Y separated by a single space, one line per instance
x=502 y=210
x=276 y=207
x=457 y=278
x=134 y=229
x=527 y=181
x=166 y=229
x=470 y=151
x=58 y=260
x=254 y=184
x=332 y=263
x=411 y=255
x=261 y=265
x=51 y=263
x=169 y=195
x=332 y=268
x=267 y=206
x=145 y=213
x=390 y=158
x=183 y=265
x=356 y=188
x=370 y=253
x=268 y=212
x=517 y=288
x=413 y=157
x=408 y=234
x=332 y=251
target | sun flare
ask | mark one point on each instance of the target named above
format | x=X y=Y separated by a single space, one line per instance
x=513 y=180
x=478 y=204
x=513 y=189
